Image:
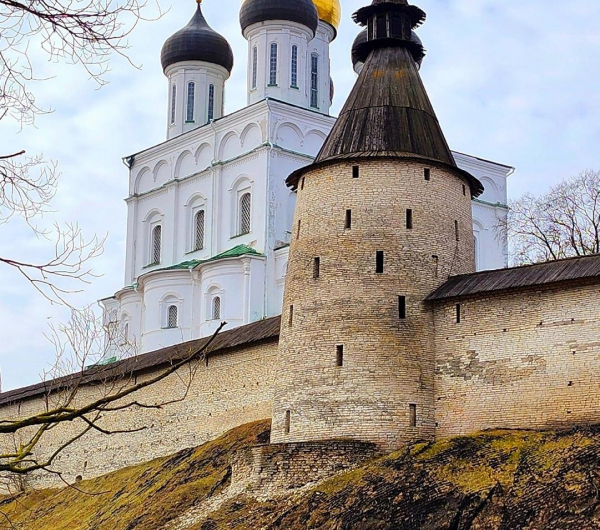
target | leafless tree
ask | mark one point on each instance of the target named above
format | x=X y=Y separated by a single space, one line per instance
x=85 y=33
x=79 y=373
x=81 y=32
x=562 y=223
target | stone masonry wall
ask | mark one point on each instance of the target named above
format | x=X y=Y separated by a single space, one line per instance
x=268 y=470
x=388 y=361
x=235 y=388
x=523 y=359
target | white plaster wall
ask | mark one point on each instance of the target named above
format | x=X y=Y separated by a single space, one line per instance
x=253 y=149
x=203 y=75
x=285 y=35
x=489 y=210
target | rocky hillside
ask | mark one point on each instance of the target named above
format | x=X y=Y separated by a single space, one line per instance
x=503 y=480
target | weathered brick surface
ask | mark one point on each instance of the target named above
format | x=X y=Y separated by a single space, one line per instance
x=276 y=468
x=523 y=359
x=388 y=362
x=235 y=388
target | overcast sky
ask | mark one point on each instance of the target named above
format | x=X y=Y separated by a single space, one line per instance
x=514 y=81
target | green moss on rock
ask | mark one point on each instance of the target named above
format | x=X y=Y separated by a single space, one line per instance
x=500 y=480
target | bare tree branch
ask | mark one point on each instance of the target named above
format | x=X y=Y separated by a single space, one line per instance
x=563 y=223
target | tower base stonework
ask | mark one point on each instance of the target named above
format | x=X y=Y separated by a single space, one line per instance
x=357 y=345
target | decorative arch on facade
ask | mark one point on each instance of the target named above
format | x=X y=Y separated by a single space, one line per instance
x=204 y=156
x=144 y=181
x=185 y=165
x=251 y=136
x=214 y=298
x=125 y=328
x=162 y=173
x=290 y=136
x=171 y=311
x=196 y=220
x=313 y=141
x=229 y=147
x=491 y=188
x=153 y=229
x=478 y=230
x=240 y=223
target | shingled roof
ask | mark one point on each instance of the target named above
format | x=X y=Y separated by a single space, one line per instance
x=262 y=331
x=519 y=277
x=388 y=113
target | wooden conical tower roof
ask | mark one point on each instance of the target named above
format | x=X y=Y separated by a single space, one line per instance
x=388 y=112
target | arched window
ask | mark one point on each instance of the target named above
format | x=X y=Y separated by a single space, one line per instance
x=199 y=230
x=173 y=102
x=156 y=245
x=189 y=117
x=314 y=80
x=172 y=316
x=216 y=308
x=254 y=65
x=273 y=65
x=211 y=102
x=126 y=332
x=294 y=73
x=245 y=214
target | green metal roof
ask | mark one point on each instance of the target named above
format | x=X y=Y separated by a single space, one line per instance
x=235 y=252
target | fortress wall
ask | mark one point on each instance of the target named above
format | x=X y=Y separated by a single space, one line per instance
x=271 y=469
x=235 y=388
x=527 y=359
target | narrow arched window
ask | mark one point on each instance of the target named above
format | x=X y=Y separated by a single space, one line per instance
x=254 y=65
x=173 y=102
x=156 y=245
x=199 y=230
x=245 y=214
x=211 y=102
x=314 y=80
x=189 y=116
x=294 y=72
x=273 y=65
x=172 y=316
x=216 y=308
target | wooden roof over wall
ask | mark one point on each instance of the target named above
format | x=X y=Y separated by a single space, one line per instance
x=540 y=274
x=244 y=336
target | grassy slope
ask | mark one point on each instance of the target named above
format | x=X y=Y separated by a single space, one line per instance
x=505 y=480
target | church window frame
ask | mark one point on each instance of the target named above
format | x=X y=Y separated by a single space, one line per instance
x=244 y=213
x=173 y=103
x=273 y=60
x=254 y=67
x=191 y=98
x=216 y=308
x=294 y=67
x=155 y=244
x=314 y=80
x=172 y=317
x=211 y=102
x=199 y=229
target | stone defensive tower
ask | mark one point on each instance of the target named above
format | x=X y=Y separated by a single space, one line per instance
x=383 y=217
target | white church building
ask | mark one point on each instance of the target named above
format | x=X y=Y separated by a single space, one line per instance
x=209 y=214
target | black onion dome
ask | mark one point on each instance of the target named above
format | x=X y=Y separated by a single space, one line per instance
x=358 y=50
x=300 y=11
x=197 y=42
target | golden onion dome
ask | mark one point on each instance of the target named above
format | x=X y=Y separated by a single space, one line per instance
x=330 y=11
